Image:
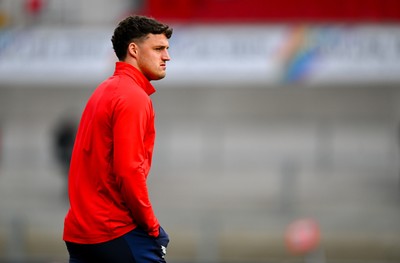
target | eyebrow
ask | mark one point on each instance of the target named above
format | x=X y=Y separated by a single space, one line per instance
x=161 y=46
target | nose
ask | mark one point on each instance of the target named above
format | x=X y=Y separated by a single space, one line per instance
x=166 y=56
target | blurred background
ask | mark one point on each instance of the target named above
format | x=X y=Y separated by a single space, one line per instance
x=278 y=126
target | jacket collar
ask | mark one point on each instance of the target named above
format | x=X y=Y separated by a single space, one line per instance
x=123 y=68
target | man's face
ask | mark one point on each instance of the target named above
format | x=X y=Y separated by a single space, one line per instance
x=152 y=56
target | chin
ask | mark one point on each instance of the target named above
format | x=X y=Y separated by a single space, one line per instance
x=156 y=77
x=161 y=76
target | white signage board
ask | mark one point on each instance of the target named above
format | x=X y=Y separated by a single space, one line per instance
x=219 y=55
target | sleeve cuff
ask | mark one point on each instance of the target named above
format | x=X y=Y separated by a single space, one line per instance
x=155 y=233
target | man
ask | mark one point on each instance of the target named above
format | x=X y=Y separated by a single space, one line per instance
x=111 y=218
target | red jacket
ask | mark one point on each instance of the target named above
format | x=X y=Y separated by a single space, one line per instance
x=111 y=161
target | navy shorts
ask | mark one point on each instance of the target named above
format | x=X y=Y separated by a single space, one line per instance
x=134 y=247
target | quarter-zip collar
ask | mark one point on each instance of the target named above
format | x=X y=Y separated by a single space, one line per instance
x=123 y=68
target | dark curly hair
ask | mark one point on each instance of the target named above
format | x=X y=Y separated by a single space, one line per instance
x=135 y=28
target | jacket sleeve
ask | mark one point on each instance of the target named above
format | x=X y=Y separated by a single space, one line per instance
x=131 y=159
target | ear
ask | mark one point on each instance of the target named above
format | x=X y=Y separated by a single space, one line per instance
x=133 y=49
